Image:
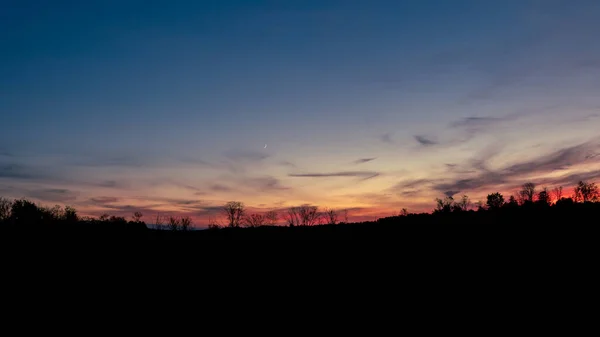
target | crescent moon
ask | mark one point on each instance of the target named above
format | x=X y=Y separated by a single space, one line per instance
x=265 y=146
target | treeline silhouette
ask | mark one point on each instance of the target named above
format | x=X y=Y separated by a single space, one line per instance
x=22 y=215
x=526 y=210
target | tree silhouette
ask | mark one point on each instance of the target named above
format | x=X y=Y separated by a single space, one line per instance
x=495 y=200
x=158 y=222
x=185 y=223
x=293 y=217
x=464 y=203
x=70 y=214
x=528 y=191
x=234 y=211
x=309 y=215
x=25 y=212
x=331 y=216
x=254 y=220
x=271 y=218
x=173 y=223
x=5 y=206
x=558 y=193
x=585 y=191
x=544 y=197
x=444 y=205
x=137 y=217
x=345 y=215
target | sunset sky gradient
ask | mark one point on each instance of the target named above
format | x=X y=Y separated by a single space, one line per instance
x=373 y=106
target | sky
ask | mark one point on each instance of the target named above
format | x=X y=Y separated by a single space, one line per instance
x=176 y=107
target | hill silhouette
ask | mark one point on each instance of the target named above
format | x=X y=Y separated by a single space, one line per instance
x=530 y=214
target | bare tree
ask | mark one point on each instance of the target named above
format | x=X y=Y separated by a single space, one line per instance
x=173 y=223
x=185 y=223
x=345 y=215
x=309 y=215
x=254 y=220
x=585 y=191
x=234 y=211
x=331 y=216
x=464 y=203
x=528 y=191
x=404 y=212
x=55 y=212
x=558 y=193
x=293 y=216
x=5 y=206
x=271 y=218
x=158 y=222
x=444 y=205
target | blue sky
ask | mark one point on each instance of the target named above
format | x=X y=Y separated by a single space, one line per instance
x=162 y=105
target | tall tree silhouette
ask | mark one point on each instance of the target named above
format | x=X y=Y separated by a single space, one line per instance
x=528 y=191
x=558 y=193
x=234 y=211
x=5 y=206
x=331 y=216
x=293 y=217
x=585 y=191
x=464 y=203
x=70 y=214
x=495 y=200
x=25 y=212
x=544 y=197
x=444 y=205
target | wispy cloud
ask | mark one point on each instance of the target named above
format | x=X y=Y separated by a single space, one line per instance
x=15 y=171
x=266 y=183
x=481 y=122
x=479 y=174
x=6 y=153
x=363 y=160
x=104 y=200
x=465 y=129
x=515 y=174
x=195 y=161
x=111 y=184
x=360 y=174
x=287 y=163
x=54 y=195
x=240 y=161
x=132 y=161
x=425 y=140
x=387 y=138
x=220 y=188
x=246 y=156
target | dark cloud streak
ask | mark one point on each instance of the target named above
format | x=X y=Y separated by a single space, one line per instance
x=360 y=174
x=425 y=141
x=363 y=160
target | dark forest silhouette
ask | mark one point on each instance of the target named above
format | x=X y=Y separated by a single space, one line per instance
x=529 y=207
